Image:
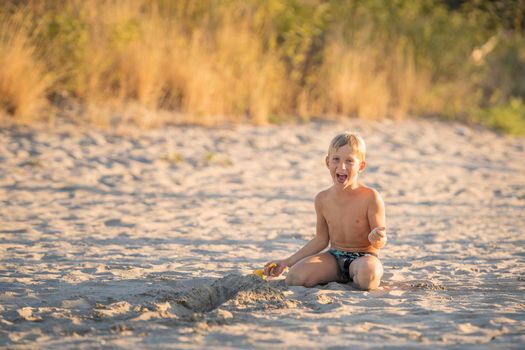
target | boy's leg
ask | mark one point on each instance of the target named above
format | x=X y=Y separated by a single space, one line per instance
x=313 y=270
x=366 y=272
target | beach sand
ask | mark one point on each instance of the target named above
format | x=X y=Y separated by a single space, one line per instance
x=147 y=239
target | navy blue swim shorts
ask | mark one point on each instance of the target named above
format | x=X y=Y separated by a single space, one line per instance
x=344 y=259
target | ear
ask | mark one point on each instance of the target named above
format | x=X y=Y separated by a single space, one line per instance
x=326 y=161
x=362 y=166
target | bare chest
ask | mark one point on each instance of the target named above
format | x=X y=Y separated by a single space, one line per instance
x=350 y=218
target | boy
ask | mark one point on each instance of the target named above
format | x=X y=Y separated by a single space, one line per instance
x=350 y=217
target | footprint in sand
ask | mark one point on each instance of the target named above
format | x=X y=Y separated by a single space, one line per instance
x=117 y=223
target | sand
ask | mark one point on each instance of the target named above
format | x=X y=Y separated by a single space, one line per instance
x=147 y=239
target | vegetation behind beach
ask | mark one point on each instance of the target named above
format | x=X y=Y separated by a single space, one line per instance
x=263 y=61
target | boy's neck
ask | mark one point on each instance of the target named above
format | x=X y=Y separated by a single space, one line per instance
x=350 y=189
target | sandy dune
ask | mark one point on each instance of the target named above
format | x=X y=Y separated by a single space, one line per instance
x=148 y=239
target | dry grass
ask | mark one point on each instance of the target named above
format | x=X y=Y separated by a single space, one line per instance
x=227 y=76
x=23 y=78
x=128 y=55
x=222 y=68
x=370 y=81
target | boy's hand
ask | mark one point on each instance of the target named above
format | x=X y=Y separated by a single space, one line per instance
x=377 y=235
x=275 y=268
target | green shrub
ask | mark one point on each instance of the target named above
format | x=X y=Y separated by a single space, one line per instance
x=508 y=118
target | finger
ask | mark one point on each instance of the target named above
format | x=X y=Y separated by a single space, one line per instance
x=374 y=237
x=379 y=231
x=269 y=267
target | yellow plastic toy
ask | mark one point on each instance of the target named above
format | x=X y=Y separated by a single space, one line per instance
x=260 y=272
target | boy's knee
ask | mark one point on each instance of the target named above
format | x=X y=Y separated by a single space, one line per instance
x=368 y=277
x=367 y=282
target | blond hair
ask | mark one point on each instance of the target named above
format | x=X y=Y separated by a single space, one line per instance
x=355 y=141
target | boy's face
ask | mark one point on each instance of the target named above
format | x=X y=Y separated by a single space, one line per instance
x=344 y=166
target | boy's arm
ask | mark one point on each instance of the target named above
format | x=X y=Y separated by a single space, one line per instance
x=320 y=240
x=377 y=221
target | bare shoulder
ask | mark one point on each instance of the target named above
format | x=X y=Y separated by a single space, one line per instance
x=372 y=195
x=321 y=198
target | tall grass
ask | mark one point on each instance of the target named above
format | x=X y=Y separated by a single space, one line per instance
x=23 y=79
x=358 y=80
x=260 y=60
x=225 y=74
x=121 y=52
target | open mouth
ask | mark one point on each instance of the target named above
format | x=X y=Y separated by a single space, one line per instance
x=341 y=178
